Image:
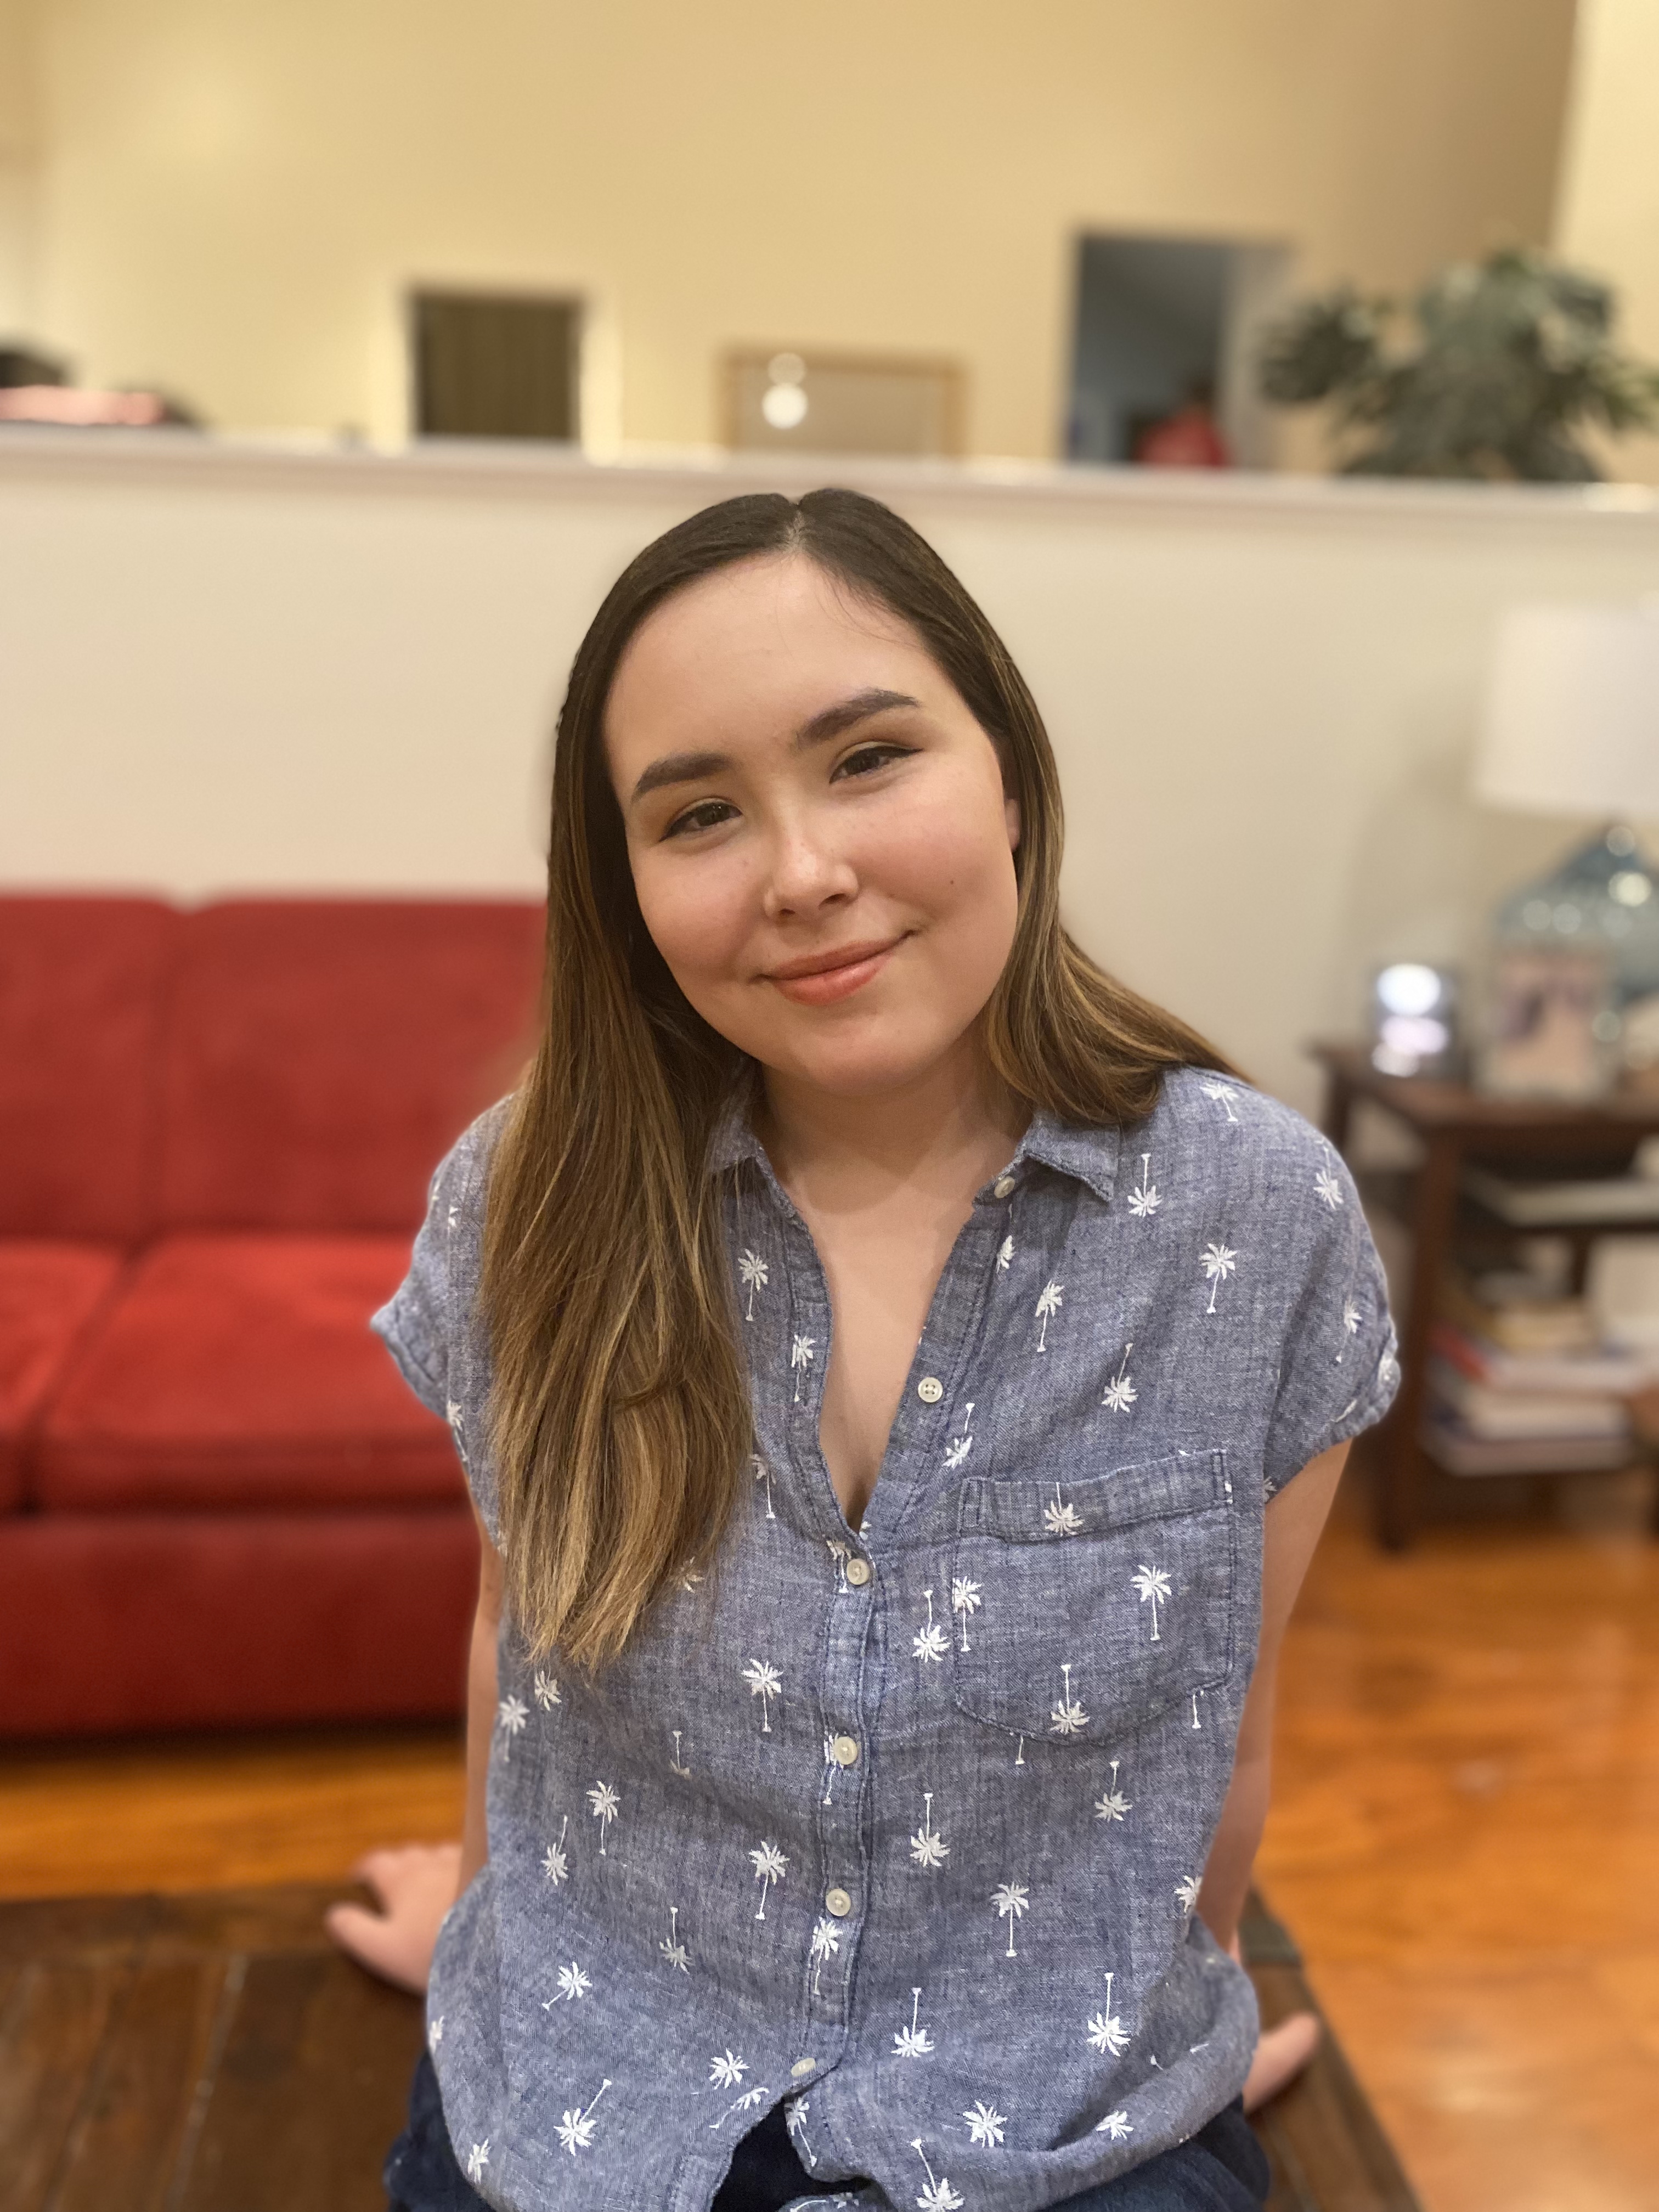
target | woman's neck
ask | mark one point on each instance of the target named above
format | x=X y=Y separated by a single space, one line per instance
x=950 y=1129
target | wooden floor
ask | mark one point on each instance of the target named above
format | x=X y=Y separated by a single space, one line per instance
x=1465 y=1841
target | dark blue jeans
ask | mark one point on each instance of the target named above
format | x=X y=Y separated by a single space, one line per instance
x=1222 y=2169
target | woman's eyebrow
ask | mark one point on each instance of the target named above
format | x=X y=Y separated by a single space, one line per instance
x=857 y=707
x=828 y=722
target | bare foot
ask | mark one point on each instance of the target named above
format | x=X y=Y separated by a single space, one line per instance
x=416 y=1886
x=1280 y=2056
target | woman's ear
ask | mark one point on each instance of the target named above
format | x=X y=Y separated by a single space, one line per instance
x=1011 y=816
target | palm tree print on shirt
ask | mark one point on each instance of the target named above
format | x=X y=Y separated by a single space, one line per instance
x=1049 y=1302
x=800 y=1358
x=927 y=1847
x=764 y=1683
x=1153 y=1585
x=1144 y=1200
x=675 y=1766
x=605 y=1804
x=826 y=1943
x=573 y=1983
x=985 y=2123
x=1329 y=1188
x=1120 y=1392
x=554 y=1865
x=795 y=2122
x=753 y=1270
x=546 y=1690
x=477 y=2159
x=930 y=1642
x=964 y=1600
x=1005 y=1254
x=959 y=1447
x=1061 y=1519
x=511 y=1715
x=939 y=2196
x=1223 y=1093
x=728 y=2070
x=1106 y=2031
x=914 y=2041
x=1114 y=1805
x=1187 y=1890
x=771 y=1865
x=1011 y=1899
x=671 y=1946
x=764 y=1474
x=1116 y=2127
x=1219 y=1262
x=1067 y=1718
x=575 y=2130
x=746 y=2103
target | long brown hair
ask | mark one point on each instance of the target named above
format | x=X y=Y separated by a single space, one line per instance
x=619 y=1412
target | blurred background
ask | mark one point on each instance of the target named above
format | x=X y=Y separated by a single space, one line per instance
x=1280 y=375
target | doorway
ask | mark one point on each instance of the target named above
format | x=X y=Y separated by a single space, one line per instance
x=1158 y=321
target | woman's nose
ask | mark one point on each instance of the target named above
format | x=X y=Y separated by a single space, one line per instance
x=807 y=874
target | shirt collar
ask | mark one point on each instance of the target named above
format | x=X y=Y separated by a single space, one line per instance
x=1088 y=1156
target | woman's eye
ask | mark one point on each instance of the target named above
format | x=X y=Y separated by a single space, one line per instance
x=868 y=757
x=707 y=814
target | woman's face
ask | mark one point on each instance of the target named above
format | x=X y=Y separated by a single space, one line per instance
x=821 y=843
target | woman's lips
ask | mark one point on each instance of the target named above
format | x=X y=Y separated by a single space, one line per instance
x=851 y=971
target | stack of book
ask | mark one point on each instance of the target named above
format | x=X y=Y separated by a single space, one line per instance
x=1519 y=1384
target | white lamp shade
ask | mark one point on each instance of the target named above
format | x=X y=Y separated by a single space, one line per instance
x=1572 y=717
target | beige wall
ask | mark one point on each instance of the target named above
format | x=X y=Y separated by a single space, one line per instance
x=19 y=164
x=1609 y=204
x=234 y=191
x=222 y=669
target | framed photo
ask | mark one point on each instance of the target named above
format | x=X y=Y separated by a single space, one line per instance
x=1548 y=1030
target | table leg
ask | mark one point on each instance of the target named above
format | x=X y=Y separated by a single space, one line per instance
x=1339 y=1108
x=1401 y=1458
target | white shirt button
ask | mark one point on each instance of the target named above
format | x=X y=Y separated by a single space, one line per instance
x=858 y=1573
x=803 y=2066
x=837 y=1902
x=846 y=1748
x=930 y=1389
x=1002 y=1186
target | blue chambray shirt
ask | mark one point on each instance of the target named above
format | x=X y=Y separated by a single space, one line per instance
x=903 y=1824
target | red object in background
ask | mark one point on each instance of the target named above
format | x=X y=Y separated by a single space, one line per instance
x=1188 y=438
x=218 y=1503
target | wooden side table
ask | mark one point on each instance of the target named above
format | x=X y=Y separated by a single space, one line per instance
x=1454 y=1124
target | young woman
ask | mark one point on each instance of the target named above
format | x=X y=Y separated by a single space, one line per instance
x=902 y=1377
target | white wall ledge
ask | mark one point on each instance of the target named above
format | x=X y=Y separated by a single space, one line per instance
x=471 y=469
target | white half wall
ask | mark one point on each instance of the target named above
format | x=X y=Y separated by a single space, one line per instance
x=225 y=667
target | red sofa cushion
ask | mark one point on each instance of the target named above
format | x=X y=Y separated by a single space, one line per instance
x=82 y=987
x=156 y=1620
x=240 y=1372
x=323 y=1055
x=48 y=1294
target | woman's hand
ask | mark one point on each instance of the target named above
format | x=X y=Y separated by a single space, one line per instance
x=416 y=1886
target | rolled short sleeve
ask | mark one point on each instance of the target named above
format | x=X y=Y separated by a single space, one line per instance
x=429 y=1324
x=1337 y=1368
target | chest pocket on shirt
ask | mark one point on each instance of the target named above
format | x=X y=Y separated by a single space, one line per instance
x=1089 y=1608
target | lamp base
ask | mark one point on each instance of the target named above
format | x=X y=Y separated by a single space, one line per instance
x=1606 y=895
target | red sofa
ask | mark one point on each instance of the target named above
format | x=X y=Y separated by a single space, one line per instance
x=219 y=1505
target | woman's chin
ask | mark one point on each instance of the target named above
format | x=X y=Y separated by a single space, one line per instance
x=867 y=1067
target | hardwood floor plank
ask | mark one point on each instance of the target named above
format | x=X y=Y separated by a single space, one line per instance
x=123 y=2146
x=308 y=2094
x=55 y=2021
